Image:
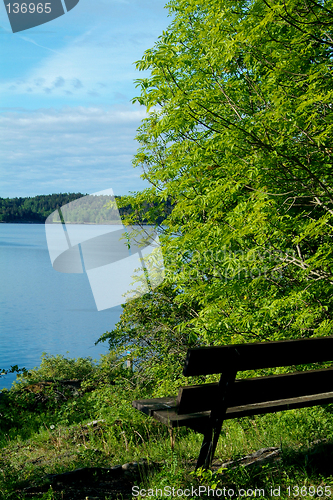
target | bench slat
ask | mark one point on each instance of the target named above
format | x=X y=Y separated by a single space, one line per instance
x=254 y=356
x=149 y=406
x=256 y=390
x=195 y=420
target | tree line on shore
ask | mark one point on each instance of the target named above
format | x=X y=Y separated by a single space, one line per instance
x=33 y=209
x=92 y=209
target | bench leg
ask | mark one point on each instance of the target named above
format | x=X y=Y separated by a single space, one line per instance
x=216 y=418
x=205 y=448
x=208 y=447
x=216 y=435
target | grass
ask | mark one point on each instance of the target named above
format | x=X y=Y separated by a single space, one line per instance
x=44 y=430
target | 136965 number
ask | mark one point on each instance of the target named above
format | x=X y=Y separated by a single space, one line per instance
x=30 y=8
x=309 y=491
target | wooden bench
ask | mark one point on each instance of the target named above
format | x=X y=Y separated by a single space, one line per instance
x=203 y=408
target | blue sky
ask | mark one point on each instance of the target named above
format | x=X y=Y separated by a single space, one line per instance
x=66 y=120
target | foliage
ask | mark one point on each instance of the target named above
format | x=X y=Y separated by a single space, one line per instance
x=208 y=477
x=238 y=138
x=59 y=367
x=146 y=338
x=60 y=387
x=13 y=369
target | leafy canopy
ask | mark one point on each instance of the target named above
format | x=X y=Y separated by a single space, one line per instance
x=238 y=140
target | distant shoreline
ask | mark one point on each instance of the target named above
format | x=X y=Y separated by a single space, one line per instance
x=21 y=222
x=37 y=209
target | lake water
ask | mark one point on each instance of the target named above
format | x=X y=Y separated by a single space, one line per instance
x=42 y=310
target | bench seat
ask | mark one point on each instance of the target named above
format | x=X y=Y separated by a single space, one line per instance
x=164 y=410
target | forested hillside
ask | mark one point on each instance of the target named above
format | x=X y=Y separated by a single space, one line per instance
x=33 y=209
x=36 y=209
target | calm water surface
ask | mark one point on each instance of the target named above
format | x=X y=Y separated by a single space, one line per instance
x=42 y=310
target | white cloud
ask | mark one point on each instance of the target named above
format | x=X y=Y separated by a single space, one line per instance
x=74 y=149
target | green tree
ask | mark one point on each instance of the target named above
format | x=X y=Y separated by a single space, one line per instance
x=238 y=139
x=148 y=336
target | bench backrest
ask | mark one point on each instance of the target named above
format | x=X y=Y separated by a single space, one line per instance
x=197 y=398
x=255 y=356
